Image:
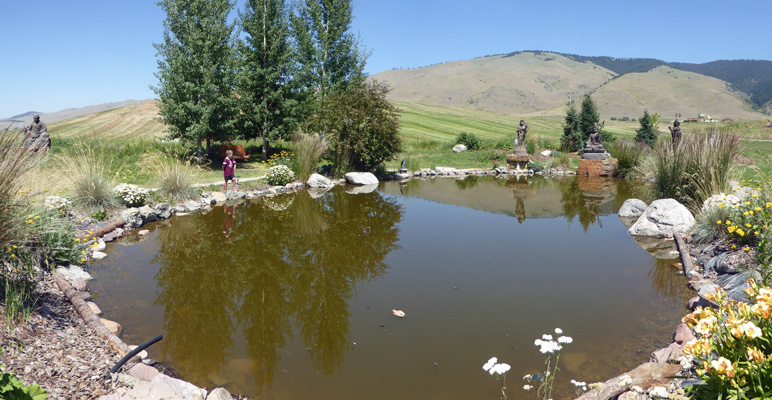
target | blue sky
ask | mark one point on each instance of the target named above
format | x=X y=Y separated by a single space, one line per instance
x=75 y=53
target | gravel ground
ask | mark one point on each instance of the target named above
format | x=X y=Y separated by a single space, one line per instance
x=57 y=351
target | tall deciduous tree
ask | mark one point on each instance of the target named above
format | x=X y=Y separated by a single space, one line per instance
x=195 y=70
x=329 y=54
x=267 y=63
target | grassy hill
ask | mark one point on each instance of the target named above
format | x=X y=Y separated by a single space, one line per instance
x=541 y=84
x=132 y=122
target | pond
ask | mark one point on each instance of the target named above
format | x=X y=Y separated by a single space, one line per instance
x=291 y=297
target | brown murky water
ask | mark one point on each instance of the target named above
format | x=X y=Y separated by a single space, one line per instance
x=290 y=297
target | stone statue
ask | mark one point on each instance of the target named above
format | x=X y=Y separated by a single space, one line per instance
x=595 y=137
x=36 y=135
x=402 y=168
x=675 y=131
x=521 y=131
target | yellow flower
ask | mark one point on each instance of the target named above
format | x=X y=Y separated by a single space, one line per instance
x=757 y=208
x=706 y=326
x=747 y=203
x=747 y=248
x=734 y=246
x=755 y=195
x=728 y=222
x=745 y=213
x=731 y=229
x=721 y=205
x=748 y=225
x=740 y=232
x=13 y=255
x=768 y=204
x=82 y=260
x=755 y=232
x=750 y=212
x=719 y=222
x=722 y=366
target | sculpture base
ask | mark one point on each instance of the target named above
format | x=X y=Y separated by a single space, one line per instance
x=604 y=167
x=519 y=159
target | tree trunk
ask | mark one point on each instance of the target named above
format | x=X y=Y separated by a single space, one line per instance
x=265 y=148
x=198 y=151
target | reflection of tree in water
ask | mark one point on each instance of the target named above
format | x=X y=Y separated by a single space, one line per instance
x=666 y=282
x=583 y=196
x=301 y=264
x=467 y=182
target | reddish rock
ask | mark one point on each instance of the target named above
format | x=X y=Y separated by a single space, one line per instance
x=605 y=167
x=683 y=334
x=645 y=376
x=667 y=354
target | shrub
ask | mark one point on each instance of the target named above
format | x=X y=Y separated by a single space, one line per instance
x=279 y=175
x=13 y=388
x=360 y=125
x=530 y=146
x=89 y=178
x=175 y=181
x=131 y=195
x=628 y=154
x=647 y=133
x=309 y=149
x=469 y=140
x=709 y=222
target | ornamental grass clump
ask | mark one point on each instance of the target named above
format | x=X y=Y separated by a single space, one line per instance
x=309 y=149
x=89 y=177
x=628 y=154
x=175 y=181
x=279 y=175
x=732 y=353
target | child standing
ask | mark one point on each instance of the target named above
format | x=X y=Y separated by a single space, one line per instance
x=229 y=169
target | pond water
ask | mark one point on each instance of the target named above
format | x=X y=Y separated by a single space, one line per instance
x=290 y=297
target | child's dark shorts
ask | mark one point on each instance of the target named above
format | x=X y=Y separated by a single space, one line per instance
x=230 y=178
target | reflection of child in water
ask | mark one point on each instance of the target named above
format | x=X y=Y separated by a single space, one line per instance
x=227 y=222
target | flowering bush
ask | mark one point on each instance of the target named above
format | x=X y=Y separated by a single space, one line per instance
x=722 y=200
x=733 y=349
x=132 y=195
x=283 y=157
x=60 y=204
x=279 y=175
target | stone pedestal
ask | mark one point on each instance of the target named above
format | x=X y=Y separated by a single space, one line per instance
x=518 y=160
x=589 y=167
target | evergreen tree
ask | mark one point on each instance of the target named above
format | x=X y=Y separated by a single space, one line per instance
x=589 y=117
x=195 y=70
x=573 y=139
x=646 y=133
x=267 y=63
x=329 y=54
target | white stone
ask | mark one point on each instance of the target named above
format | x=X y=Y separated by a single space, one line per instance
x=73 y=272
x=143 y=232
x=402 y=176
x=142 y=354
x=632 y=208
x=219 y=394
x=94 y=308
x=361 y=178
x=142 y=372
x=318 y=181
x=219 y=197
x=546 y=153
x=112 y=326
x=445 y=169
x=191 y=206
x=459 y=148
x=663 y=218
x=98 y=255
x=185 y=389
x=362 y=189
x=100 y=245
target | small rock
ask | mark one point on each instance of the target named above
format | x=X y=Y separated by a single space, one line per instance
x=459 y=148
x=143 y=232
x=112 y=326
x=219 y=394
x=98 y=255
x=94 y=308
x=142 y=354
x=79 y=285
x=683 y=334
x=100 y=245
x=142 y=372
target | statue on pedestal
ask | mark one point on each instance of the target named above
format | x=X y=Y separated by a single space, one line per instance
x=518 y=159
x=36 y=135
x=675 y=131
x=594 y=149
x=521 y=131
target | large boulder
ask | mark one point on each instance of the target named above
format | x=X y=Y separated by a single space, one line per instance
x=361 y=178
x=219 y=197
x=148 y=214
x=234 y=195
x=663 y=218
x=632 y=208
x=163 y=210
x=132 y=217
x=319 y=181
x=459 y=148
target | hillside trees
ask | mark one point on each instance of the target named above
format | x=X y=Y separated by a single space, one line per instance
x=196 y=71
x=360 y=124
x=267 y=98
x=330 y=55
x=647 y=133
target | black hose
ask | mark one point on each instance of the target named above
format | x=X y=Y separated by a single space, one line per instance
x=133 y=353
